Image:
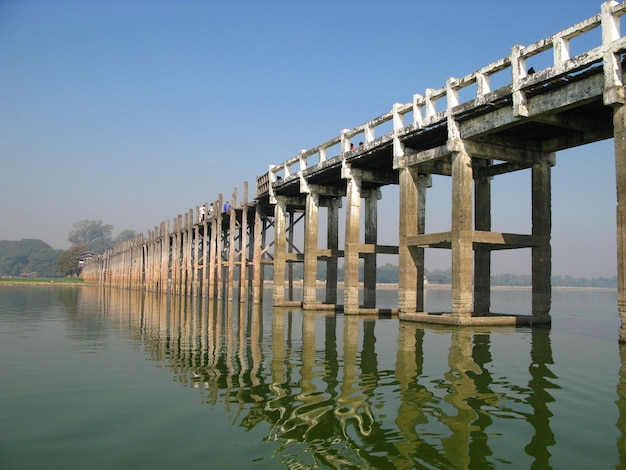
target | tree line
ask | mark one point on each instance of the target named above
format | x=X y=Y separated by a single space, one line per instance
x=35 y=258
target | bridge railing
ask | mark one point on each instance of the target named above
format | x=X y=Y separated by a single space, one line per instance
x=440 y=105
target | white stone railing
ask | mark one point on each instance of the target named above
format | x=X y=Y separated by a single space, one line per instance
x=438 y=105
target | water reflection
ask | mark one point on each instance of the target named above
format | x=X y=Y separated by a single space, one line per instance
x=351 y=391
x=621 y=406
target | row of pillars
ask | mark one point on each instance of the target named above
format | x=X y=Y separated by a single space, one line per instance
x=352 y=253
x=204 y=254
x=471 y=259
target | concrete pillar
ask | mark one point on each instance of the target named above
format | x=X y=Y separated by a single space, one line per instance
x=423 y=182
x=333 y=245
x=290 y=235
x=407 y=268
x=311 y=226
x=351 y=253
x=619 y=138
x=482 y=255
x=412 y=222
x=371 y=238
x=541 y=230
x=280 y=250
x=462 y=254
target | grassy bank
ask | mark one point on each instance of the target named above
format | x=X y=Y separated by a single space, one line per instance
x=40 y=280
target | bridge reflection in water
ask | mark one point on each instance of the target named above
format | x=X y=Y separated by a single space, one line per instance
x=360 y=391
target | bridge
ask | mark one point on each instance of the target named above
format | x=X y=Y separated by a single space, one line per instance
x=470 y=130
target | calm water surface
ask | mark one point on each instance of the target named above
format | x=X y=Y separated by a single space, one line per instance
x=112 y=379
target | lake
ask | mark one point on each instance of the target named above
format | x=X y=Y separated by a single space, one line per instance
x=114 y=379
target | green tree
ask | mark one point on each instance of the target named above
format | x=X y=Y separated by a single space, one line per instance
x=28 y=256
x=124 y=236
x=67 y=261
x=92 y=234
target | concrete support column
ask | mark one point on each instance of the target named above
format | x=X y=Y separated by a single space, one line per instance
x=423 y=182
x=311 y=226
x=351 y=253
x=280 y=250
x=290 y=246
x=619 y=133
x=333 y=245
x=371 y=238
x=408 y=270
x=482 y=255
x=541 y=229
x=462 y=254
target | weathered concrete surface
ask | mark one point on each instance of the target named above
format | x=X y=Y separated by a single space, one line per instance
x=491 y=319
x=619 y=119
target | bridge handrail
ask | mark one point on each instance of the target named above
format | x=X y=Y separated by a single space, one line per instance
x=424 y=107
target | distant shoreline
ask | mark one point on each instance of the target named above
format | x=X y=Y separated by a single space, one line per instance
x=380 y=285
x=61 y=281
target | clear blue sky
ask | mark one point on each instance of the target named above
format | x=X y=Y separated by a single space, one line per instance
x=132 y=112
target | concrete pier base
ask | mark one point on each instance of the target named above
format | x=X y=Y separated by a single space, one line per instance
x=491 y=319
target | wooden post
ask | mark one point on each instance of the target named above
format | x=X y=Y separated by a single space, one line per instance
x=195 y=286
x=220 y=246
x=243 y=243
x=166 y=249
x=257 y=281
x=232 y=250
x=189 y=226
x=213 y=252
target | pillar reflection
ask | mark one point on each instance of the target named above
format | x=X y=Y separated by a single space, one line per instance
x=352 y=390
x=540 y=383
x=621 y=406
